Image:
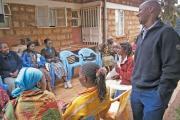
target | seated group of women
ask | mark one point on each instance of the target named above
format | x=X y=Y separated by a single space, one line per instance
x=34 y=102
x=48 y=62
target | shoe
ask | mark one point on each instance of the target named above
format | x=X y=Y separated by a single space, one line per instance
x=69 y=85
x=65 y=85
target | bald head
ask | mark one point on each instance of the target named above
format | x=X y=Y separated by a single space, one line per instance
x=149 y=12
x=154 y=5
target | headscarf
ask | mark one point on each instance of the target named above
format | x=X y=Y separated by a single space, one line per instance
x=27 y=79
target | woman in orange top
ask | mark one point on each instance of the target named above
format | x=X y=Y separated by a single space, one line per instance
x=94 y=102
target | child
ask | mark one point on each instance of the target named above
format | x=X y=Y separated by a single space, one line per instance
x=94 y=102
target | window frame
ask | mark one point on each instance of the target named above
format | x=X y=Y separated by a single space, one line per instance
x=78 y=18
x=65 y=17
x=120 y=16
x=6 y=15
x=49 y=18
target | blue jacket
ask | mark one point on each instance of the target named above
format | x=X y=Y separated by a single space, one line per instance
x=157 y=60
x=27 y=60
x=9 y=63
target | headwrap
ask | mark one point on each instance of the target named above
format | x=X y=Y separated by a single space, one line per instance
x=27 y=79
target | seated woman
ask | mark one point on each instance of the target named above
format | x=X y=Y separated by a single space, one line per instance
x=32 y=102
x=125 y=67
x=30 y=59
x=56 y=67
x=94 y=102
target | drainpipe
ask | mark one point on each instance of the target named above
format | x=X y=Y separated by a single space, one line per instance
x=105 y=23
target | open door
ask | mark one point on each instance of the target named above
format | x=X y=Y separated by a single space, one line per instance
x=91 y=25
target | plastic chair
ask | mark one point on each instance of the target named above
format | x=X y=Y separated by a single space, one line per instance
x=88 y=55
x=64 y=55
x=120 y=107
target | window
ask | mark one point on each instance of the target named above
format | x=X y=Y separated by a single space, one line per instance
x=5 y=14
x=119 y=21
x=1 y=7
x=61 y=17
x=42 y=16
x=76 y=18
x=90 y=17
x=50 y=17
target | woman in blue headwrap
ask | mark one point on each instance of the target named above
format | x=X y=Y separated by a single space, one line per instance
x=33 y=102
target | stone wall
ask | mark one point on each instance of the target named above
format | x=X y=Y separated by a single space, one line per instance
x=77 y=1
x=131 y=24
x=127 y=2
x=23 y=24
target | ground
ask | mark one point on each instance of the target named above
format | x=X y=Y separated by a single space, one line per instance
x=173 y=105
x=68 y=95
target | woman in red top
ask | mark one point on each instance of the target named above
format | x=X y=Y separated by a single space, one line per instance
x=125 y=67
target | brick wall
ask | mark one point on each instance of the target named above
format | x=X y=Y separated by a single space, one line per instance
x=24 y=25
x=131 y=24
x=77 y=1
x=127 y=2
x=111 y=31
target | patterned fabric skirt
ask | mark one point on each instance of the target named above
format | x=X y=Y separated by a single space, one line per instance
x=4 y=98
x=59 y=69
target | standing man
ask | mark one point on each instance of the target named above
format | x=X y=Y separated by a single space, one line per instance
x=157 y=64
x=10 y=64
